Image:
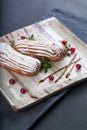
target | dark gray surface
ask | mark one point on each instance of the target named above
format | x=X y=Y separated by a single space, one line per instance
x=70 y=112
x=19 y=13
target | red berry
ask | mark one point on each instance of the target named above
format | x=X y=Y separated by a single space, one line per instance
x=78 y=66
x=51 y=77
x=11 y=81
x=22 y=37
x=72 y=49
x=64 y=42
x=23 y=90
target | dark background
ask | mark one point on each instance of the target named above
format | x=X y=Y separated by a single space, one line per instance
x=70 y=109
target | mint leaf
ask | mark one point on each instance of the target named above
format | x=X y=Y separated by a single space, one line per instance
x=45 y=70
x=12 y=43
x=45 y=65
x=68 y=47
x=31 y=37
x=49 y=65
x=43 y=60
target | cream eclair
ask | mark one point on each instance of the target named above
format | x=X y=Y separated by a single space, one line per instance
x=51 y=50
x=17 y=62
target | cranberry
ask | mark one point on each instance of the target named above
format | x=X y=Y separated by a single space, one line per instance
x=11 y=81
x=64 y=42
x=51 y=77
x=22 y=37
x=72 y=49
x=23 y=90
x=78 y=66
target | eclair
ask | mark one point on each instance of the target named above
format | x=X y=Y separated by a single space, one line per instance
x=38 y=49
x=17 y=62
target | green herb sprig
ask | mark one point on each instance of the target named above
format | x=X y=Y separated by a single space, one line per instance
x=45 y=65
x=12 y=43
x=68 y=46
x=31 y=37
